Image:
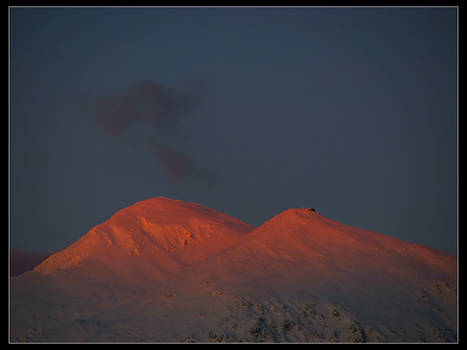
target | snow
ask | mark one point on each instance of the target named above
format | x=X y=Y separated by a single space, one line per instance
x=171 y=271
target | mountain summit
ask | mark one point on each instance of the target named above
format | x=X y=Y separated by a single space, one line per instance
x=164 y=270
x=151 y=239
x=384 y=280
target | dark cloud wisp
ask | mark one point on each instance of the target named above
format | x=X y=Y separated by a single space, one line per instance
x=159 y=110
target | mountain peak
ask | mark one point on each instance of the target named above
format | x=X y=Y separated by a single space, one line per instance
x=161 y=231
x=297 y=214
x=168 y=262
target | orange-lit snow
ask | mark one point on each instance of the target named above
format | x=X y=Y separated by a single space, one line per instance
x=166 y=270
x=151 y=240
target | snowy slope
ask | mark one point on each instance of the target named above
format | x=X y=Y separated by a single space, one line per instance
x=383 y=281
x=170 y=271
x=150 y=240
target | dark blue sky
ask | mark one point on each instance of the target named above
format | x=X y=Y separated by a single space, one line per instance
x=249 y=111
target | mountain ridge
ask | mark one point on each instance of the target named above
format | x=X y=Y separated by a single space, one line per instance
x=155 y=227
x=298 y=277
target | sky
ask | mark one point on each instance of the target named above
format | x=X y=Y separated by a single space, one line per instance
x=249 y=111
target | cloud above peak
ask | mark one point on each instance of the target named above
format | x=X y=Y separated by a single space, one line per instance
x=156 y=110
x=144 y=101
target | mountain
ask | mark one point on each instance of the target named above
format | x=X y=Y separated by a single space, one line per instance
x=170 y=271
x=22 y=261
x=149 y=241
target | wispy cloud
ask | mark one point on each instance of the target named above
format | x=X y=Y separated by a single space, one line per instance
x=177 y=165
x=160 y=110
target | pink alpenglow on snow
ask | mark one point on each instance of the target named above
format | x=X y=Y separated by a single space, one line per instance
x=150 y=240
x=165 y=270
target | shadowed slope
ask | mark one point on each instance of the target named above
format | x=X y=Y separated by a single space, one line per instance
x=22 y=261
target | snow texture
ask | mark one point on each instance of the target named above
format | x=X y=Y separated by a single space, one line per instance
x=164 y=270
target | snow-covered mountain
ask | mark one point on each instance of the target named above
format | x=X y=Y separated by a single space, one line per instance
x=163 y=270
x=149 y=241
